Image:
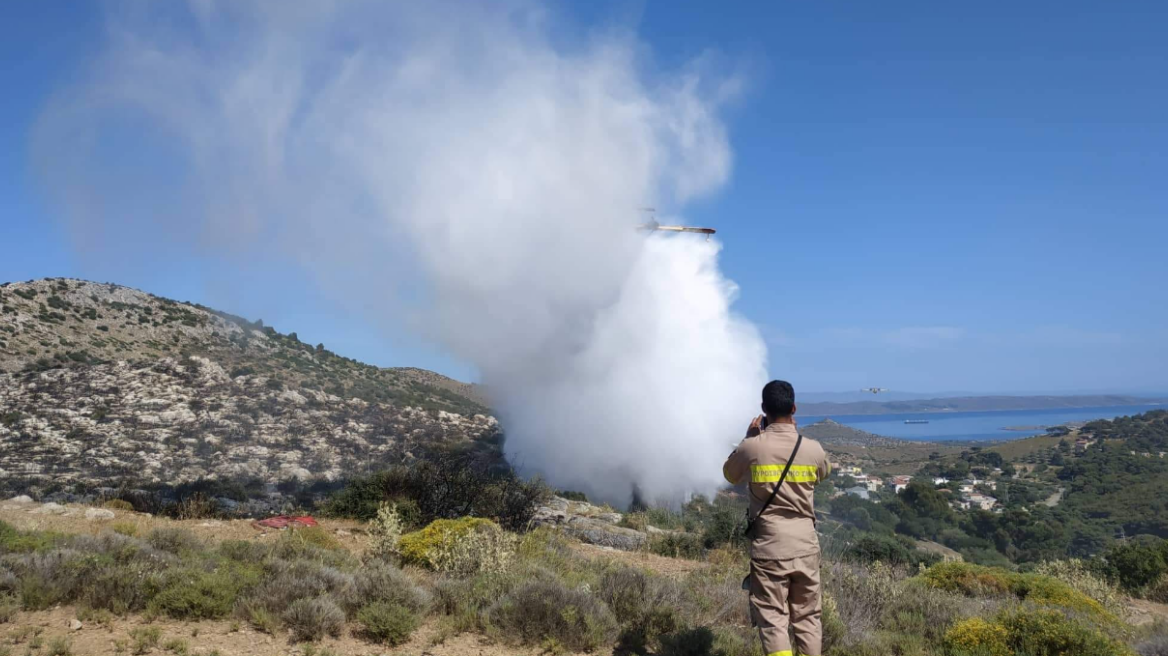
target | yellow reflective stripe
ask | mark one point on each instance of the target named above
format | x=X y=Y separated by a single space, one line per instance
x=785 y=652
x=771 y=473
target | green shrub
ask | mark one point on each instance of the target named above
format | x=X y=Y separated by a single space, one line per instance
x=975 y=580
x=244 y=551
x=687 y=642
x=723 y=526
x=544 y=611
x=118 y=504
x=15 y=541
x=445 y=486
x=194 y=593
x=678 y=545
x=976 y=636
x=387 y=623
x=1042 y=632
x=927 y=612
x=128 y=529
x=259 y=617
x=426 y=547
x=1137 y=564
x=312 y=619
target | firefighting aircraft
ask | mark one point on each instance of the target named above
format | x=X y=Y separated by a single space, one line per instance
x=874 y=390
x=653 y=226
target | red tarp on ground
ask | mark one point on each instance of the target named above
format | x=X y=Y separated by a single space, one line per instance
x=284 y=521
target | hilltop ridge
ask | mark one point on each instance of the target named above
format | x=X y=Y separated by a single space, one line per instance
x=105 y=385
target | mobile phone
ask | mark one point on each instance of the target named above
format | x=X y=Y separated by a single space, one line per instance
x=763 y=424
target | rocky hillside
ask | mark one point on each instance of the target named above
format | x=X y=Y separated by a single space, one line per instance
x=102 y=384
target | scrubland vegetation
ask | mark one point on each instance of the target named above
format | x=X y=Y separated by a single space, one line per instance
x=533 y=588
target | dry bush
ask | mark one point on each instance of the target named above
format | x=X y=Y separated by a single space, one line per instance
x=1076 y=573
x=194 y=506
x=244 y=551
x=312 y=619
x=382 y=582
x=548 y=612
x=645 y=605
x=313 y=536
x=385 y=531
x=9 y=606
x=285 y=583
x=926 y=612
x=120 y=587
x=861 y=595
x=45 y=579
x=145 y=638
x=488 y=549
x=1158 y=591
x=713 y=597
x=1155 y=644
x=175 y=540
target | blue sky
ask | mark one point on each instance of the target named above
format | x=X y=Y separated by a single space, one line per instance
x=925 y=197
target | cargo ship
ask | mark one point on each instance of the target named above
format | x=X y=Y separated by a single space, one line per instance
x=916 y=421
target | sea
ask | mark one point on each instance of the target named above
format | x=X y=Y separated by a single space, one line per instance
x=976 y=426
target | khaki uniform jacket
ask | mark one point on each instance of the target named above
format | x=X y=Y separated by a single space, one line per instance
x=787 y=529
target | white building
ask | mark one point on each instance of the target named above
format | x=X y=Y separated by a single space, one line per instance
x=981 y=501
x=858 y=491
x=898 y=483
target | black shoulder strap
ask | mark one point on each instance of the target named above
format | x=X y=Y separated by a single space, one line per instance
x=750 y=524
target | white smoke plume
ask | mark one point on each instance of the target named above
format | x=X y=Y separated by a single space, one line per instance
x=485 y=155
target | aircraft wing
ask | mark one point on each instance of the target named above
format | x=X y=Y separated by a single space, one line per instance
x=700 y=231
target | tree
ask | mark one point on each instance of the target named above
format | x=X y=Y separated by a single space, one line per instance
x=1137 y=564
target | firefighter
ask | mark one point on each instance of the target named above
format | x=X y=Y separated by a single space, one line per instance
x=784 y=548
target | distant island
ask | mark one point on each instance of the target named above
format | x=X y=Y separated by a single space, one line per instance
x=974 y=404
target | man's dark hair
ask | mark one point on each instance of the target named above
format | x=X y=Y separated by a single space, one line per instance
x=778 y=399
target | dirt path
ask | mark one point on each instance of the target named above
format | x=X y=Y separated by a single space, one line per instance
x=1142 y=611
x=1054 y=499
x=672 y=567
